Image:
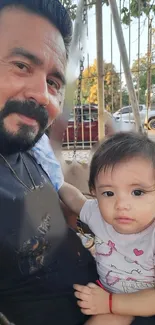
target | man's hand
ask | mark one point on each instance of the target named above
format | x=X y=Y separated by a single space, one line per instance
x=93 y=300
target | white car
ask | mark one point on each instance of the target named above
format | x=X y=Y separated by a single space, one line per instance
x=150 y=120
x=125 y=114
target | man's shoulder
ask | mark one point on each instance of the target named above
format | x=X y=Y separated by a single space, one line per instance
x=45 y=157
x=43 y=146
x=32 y=164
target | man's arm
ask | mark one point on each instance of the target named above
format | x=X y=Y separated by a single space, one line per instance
x=72 y=197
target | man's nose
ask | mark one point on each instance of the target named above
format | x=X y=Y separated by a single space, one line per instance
x=38 y=92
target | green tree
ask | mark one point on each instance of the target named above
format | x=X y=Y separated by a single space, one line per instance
x=136 y=10
x=139 y=71
x=125 y=97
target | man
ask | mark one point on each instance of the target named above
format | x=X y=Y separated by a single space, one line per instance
x=40 y=258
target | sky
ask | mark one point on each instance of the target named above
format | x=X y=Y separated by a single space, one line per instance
x=91 y=42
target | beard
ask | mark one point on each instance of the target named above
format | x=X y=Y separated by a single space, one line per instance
x=25 y=138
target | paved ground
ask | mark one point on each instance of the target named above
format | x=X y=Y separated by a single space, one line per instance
x=84 y=156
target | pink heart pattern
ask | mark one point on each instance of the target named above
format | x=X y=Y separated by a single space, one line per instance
x=138 y=252
x=111 y=279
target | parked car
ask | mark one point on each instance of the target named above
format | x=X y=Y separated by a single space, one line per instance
x=126 y=114
x=150 y=120
x=87 y=125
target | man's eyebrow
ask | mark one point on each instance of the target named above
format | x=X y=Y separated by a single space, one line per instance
x=20 y=51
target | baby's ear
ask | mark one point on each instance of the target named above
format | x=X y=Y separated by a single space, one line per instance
x=93 y=192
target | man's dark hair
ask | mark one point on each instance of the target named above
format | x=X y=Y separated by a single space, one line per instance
x=53 y=10
x=120 y=147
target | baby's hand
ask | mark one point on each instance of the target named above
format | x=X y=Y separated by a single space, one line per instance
x=93 y=300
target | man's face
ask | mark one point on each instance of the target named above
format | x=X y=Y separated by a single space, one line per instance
x=32 y=68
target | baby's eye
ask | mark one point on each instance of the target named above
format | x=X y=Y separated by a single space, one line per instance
x=108 y=193
x=137 y=192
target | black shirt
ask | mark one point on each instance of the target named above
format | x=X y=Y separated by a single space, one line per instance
x=40 y=258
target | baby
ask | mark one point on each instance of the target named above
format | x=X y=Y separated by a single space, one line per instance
x=122 y=178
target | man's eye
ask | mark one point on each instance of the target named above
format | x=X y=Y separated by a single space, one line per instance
x=21 y=66
x=53 y=84
x=137 y=192
x=108 y=193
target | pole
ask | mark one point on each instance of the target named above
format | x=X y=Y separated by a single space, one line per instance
x=125 y=63
x=100 y=73
x=149 y=56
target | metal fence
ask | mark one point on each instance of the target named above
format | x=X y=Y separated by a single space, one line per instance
x=139 y=34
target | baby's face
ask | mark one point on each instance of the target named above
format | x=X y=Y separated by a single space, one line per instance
x=126 y=195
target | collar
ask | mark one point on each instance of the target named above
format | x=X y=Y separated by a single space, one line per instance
x=12 y=159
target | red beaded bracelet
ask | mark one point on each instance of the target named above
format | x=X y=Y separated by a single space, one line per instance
x=110 y=302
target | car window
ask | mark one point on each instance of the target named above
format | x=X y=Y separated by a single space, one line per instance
x=126 y=110
x=94 y=115
x=89 y=115
x=78 y=115
x=71 y=119
x=86 y=115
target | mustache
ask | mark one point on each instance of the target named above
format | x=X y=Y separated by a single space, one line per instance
x=27 y=108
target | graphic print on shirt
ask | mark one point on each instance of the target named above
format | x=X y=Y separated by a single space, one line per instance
x=130 y=283
x=132 y=277
x=127 y=259
x=138 y=252
x=107 y=249
x=33 y=251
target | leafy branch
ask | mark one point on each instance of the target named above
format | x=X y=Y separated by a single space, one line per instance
x=136 y=9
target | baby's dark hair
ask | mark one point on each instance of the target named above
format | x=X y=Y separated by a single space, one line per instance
x=53 y=10
x=120 y=147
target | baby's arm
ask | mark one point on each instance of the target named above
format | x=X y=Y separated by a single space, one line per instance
x=140 y=303
x=109 y=319
x=97 y=304
x=94 y=301
x=72 y=197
